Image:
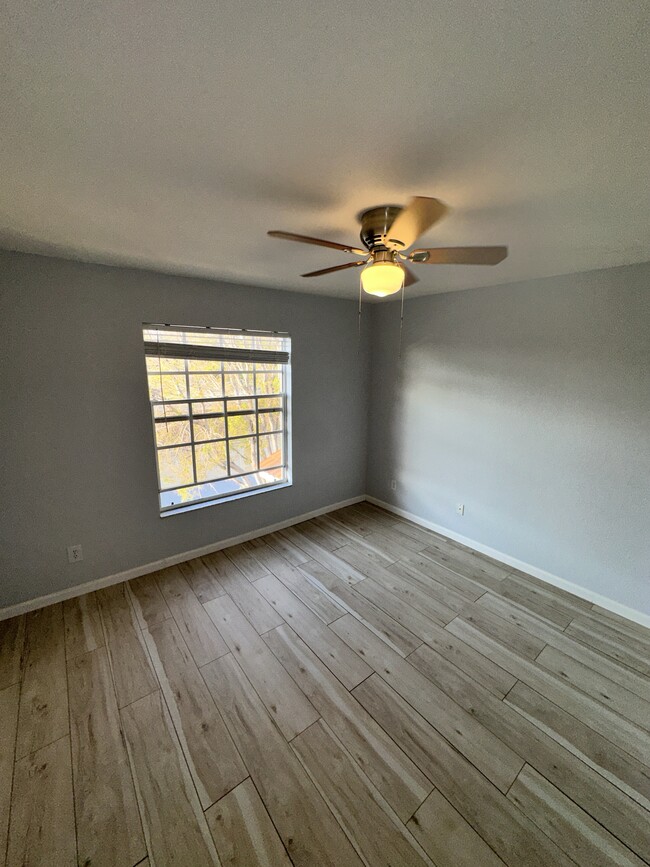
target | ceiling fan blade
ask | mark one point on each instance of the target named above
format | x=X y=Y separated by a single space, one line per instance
x=409 y=276
x=335 y=268
x=418 y=216
x=319 y=242
x=459 y=255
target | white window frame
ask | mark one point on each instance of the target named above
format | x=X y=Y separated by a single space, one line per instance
x=285 y=395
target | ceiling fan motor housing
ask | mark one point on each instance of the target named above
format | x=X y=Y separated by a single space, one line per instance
x=375 y=223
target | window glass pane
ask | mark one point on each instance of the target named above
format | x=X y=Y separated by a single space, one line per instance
x=239 y=384
x=209 y=429
x=270 y=421
x=254 y=480
x=175 y=497
x=266 y=342
x=237 y=366
x=221 y=487
x=204 y=491
x=194 y=337
x=269 y=402
x=175 y=467
x=234 y=405
x=207 y=407
x=169 y=386
x=170 y=433
x=241 y=425
x=205 y=385
x=231 y=340
x=243 y=456
x=169 y=410
x=211 y=461
x=268 y=383
x=271 y=450
x=201 y=365
x=154 y=365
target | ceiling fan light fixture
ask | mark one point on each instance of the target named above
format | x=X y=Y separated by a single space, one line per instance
x=382 y=278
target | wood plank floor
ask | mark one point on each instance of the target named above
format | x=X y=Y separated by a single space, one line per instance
x=353 y=690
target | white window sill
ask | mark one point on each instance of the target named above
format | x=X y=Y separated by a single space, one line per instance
x=191 y=507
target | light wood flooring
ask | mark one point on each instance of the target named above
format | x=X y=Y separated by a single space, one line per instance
x=352 y=690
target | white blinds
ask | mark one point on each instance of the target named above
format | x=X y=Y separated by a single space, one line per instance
x=209 y=345
x=214 y=353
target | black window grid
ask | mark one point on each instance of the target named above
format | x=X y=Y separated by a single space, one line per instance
x=252 y=370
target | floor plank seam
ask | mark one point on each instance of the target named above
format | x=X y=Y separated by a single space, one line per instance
x=183 y=750
x=277 y=830
x=13 y=771
x=225 y=794
x=72 y=764
x=509 y=691
x=540 y=652
x=359 y=771
x=582 y=809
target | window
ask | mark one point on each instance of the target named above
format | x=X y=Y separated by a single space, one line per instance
x=220 y=412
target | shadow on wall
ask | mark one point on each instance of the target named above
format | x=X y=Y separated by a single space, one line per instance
x=533 y=411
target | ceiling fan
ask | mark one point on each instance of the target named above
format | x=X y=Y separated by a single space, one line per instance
x=387 y=232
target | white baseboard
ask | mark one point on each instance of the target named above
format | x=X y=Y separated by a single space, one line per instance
x=146 y=568
x=542 y=574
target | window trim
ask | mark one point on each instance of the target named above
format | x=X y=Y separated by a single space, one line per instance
x=284 y=409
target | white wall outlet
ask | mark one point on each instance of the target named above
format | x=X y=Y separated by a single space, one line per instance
x=393 y=485
x=75 y=554
x=460 y=509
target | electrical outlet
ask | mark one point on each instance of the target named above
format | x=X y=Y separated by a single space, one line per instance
x=460 y=509
x=393 y=485
x=75 y=554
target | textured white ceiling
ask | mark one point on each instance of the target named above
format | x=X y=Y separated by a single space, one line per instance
x=174 y=135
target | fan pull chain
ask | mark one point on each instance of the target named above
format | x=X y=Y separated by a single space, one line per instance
x=401 y=322
x=360 y=294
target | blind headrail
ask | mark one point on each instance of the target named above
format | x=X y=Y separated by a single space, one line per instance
x=210 y=329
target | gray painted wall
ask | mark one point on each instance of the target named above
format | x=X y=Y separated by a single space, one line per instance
x=530 y=403
x=77 y=462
